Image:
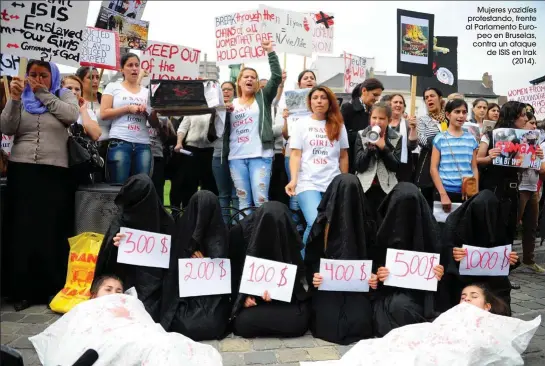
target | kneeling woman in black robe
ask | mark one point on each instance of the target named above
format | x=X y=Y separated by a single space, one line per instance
x=405 y=223
x=201 y=233
x=140 y=209
x=268 y=233
x=342 y=231
x=481 y=222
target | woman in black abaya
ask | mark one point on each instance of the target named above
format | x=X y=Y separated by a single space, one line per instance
x=481 y=222
x=405 y=223
x=342 y=231
x=268 y=233
x=140 y=209
x=201 y=233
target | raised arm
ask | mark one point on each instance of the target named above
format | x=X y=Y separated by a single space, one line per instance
x=65 y=108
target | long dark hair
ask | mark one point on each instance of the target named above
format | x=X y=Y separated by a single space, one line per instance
x=497 y=305
x=509 y=113
x=82 y=72
x=334 y=119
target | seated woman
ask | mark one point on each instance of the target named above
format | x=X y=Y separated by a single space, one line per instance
x=140 y=209
x=405 y=223
x=201 y=233
x=377 y=162
x=479 y=222
x=268 y=233
x=106 y=285
x=342 y=230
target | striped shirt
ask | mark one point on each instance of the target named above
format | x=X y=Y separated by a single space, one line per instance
x=456 y=157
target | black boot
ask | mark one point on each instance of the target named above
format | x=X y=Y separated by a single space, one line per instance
x=21 y=305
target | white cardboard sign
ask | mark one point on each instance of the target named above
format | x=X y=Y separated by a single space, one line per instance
x=260 y=275
x=9 y=65
x=204 y=276
x=100 y=49
x=165 y=61
x=143 y=248
x=485 y=261
x=345 y=275
x=412 y=270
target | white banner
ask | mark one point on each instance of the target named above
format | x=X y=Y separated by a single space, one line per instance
x=170 y=62
x=412 y=270
x=143 y=248
x=100 y=49
x=9 y=65
x=290 y=30
x=322 y=27
x=531 y=94
x=485 y=261
x=48 y=31
x=345 y=275
x=204 y=276
x=356 y=70
x=260 y=275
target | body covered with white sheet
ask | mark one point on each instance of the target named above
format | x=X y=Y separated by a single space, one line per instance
x=463 y=336
x=122 y=332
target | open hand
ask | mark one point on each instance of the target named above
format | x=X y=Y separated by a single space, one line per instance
x=36 y=85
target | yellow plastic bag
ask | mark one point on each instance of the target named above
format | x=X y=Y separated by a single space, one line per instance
x=84 y=250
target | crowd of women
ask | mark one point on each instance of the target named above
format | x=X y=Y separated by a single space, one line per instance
x=359 y=195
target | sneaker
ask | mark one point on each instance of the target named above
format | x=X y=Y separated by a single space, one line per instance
x=535 y=267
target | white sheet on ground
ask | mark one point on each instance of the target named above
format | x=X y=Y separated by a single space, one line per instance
x=119 y=328
x=463 y=336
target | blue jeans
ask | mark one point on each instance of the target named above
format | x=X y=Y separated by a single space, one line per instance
x=125 y=159
x=294 y=205
x=227 y=194
x=251 y=178
x=309 y=201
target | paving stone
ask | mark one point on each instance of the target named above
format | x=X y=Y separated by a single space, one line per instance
x=12 y=317
x=518 y=309
x=21 y=342
x=36 y=319
x=521 y=296
x=259 y=358
x=30 y=357
x=8 y=338
x=540 y=301
x=35 y=309
x=292 y=355
x=343 y=349
x=235 y=345
x=531 y=305
x=262 y=344
x=540 y=331
x=321 y=343
x=300 y=342
x=32 y=329
x=323 y=353
x=233 y=359
x=10 y=327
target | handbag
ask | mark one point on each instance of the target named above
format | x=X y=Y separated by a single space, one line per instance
x=82 y=150
x=470 y=185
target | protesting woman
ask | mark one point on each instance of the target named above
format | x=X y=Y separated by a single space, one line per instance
x=480 y=109
x=251 y=137
x=319 y=152
x=409 y=138
x=126 y=105
x=35 y=242
x=87 y=117
x=493 y=113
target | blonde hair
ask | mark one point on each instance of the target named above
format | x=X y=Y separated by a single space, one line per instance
x=238 y=88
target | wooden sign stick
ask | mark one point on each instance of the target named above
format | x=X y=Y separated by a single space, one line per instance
x=305 y=63
x=285 y=61
x=23 y=62
x=6 y=86
x=413 y=95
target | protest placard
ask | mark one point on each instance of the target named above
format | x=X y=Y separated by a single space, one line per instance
x=260 y=275
x=165 y=61
x=47 y=31
x=9 y=64
x=533 y=95
x=440 y=214
x=100 y=49
x=485 y=261
x=239 y=36
x=296 y=100
x=517 y=148
x=7 y=143
x=345 y=275
x=143 y=248
x=474 y=129
x=322 y=28
x=204 y=276
x=412 y=270
x=290 y=30
x=132 y=33
x=356 y=70
x=131 y=9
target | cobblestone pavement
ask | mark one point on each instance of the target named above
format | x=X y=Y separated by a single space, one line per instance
x=527 y=303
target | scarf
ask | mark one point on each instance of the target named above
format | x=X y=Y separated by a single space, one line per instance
x=33 y=105
x=441 y=118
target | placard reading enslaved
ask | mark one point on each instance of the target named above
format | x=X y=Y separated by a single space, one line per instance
x=100 y=49
x=290 y=30
x=518 y=147
x=170 y=61
x=47 y=31
x=132 y=33
x=9 y=65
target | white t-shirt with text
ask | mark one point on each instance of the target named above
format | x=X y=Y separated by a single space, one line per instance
x=245 y=139
x=128 y=127
x=319 y=156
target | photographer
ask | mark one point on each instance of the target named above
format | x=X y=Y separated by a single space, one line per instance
x=378 y=155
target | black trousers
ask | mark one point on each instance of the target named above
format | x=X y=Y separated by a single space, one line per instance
x=279 y=180
x=158 y=177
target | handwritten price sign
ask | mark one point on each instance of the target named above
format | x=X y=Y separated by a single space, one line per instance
x=204 y=276
x=341 y=275
x=142 y=248
x=412 y=270
x=260 y=275
x=485 y=261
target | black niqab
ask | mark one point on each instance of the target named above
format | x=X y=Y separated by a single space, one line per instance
x=268 y=233
x=200 y=228
x=140 y=209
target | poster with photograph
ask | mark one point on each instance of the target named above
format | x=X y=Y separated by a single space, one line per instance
x=132 y=33
x=518 y=147
x=445 y=67
x=129 y=8
x=474 y=129
x=296 y=100
x=415 y=43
